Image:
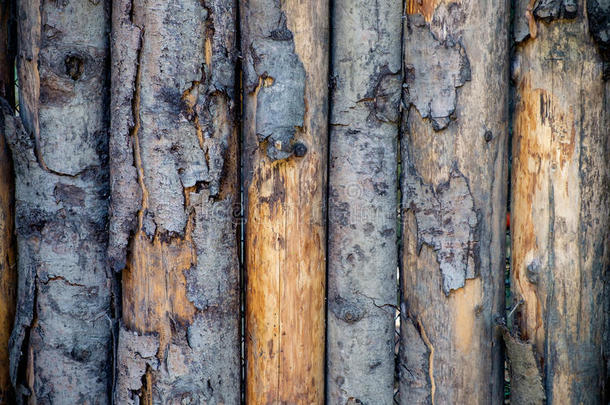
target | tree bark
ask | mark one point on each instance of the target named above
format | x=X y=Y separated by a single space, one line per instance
x=8 y=270
x=61 y=344
x=362 y=249
x=174 y=150
x=560 y=204
x=285 y=49
x=454 y=169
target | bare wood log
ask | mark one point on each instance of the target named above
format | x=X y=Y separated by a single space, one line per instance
x=61 y=344
x=362 y=250
x=454 y=166
x=560 y=204
x=174 y=150
x=285 y=86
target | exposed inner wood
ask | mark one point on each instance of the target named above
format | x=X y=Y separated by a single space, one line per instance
x=285 y=237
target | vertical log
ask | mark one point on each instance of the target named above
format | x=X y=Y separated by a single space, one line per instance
x=8 y=270
x=174 y=181
x=7 y=40
x=559 y=221
x=285 y=48
x=61 y=344
x=362 y=250
x=453 y=189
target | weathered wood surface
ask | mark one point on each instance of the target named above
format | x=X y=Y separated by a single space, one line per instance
x=285 y=87
x=362 y=249
x=560 y=223
x=8 y=269
x=61 y=345
x=454 y=165
x=174 y=176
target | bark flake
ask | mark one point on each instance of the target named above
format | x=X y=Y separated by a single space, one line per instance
x=435 y=67
x=447 y=222
x=280 y=91
x=526 y=381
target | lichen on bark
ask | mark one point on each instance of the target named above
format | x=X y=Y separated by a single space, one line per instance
x=277 y=76
x=63 y=333
x=447 y=222
x=436 y=65
x=174 y=178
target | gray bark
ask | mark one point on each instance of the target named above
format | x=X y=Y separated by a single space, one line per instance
x=454 y=166
x=362 y=250
x=61 y=344
x=174 y=179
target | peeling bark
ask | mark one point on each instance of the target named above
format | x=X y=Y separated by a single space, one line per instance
x=436 y=66
x=284 y=45
x=559 y=216
x=362 y=256
x=61 y=344
x=598 y=18
x=174 y=178
x=526 y=381
x=447 y=222
x=453 y=201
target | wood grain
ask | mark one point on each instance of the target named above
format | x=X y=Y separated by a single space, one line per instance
x=285 y=199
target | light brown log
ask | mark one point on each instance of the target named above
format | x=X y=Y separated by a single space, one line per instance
x=285 y=48
x=454 y=166
x=559 y=216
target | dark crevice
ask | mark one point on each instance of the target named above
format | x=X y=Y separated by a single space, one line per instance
x=331 y=82
x=238 y=212
x=399 y=219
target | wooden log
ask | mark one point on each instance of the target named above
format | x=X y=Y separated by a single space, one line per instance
x=61 y=345
x=285 y=86
x=362 y=249
x=174 y=176
x=454 y=166
x=560 y=204
x=8 y=269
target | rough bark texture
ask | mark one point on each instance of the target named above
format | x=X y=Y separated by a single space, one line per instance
x=174 y=177
x=61 y=343
x=285 y=49
x=8 y=270
x=362 y=251
x=453 y=188
x=560 y=223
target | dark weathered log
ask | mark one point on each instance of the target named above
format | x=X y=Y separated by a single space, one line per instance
x=61 y=343
x=362 y=250
x=454 y=165
x=174 y=177
x=285 y=87
x=8 y=269
x=560 y=196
